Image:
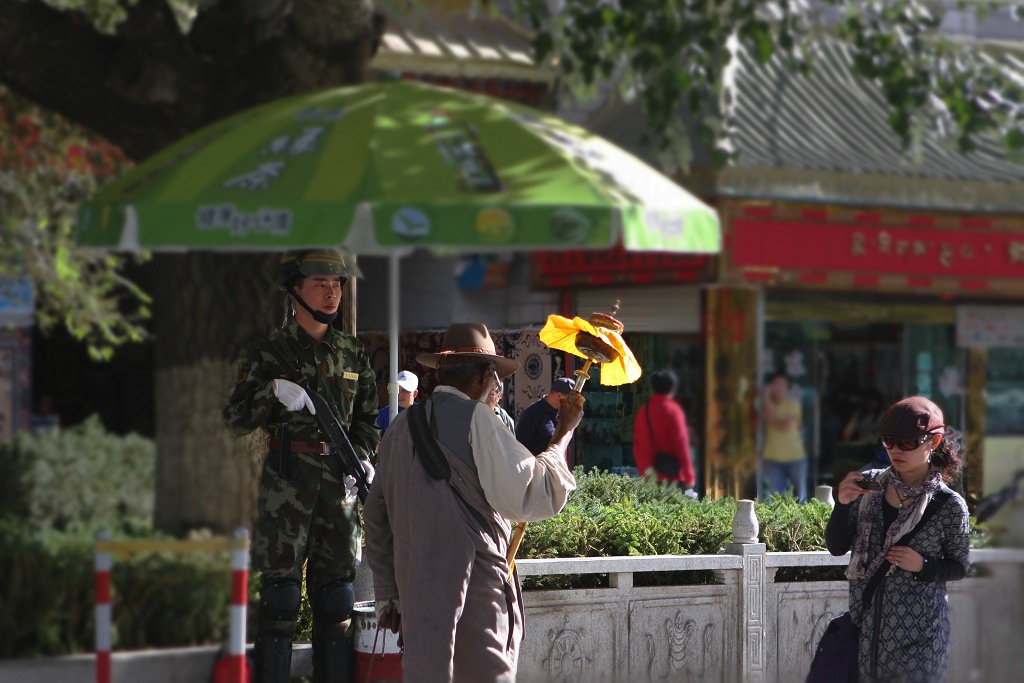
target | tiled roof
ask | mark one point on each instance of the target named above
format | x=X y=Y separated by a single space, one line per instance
x=440 y=43
x=826 y=137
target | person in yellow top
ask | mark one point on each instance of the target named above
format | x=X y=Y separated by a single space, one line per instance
x=784 y=457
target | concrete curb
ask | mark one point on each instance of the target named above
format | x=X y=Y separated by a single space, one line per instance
x=170 y=665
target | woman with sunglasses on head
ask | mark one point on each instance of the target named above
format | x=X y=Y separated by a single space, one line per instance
x=898 y=583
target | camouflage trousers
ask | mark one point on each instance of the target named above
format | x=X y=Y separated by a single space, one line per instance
x=306 y=519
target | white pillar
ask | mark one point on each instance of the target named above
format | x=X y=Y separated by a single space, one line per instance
x=750 y=595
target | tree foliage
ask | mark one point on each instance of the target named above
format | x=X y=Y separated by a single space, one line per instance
x=141 y=74
x=47 y=166
x=669 y=53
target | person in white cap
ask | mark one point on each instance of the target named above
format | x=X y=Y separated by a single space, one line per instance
x=408 y=388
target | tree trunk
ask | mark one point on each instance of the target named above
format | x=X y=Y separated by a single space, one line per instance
x=209 y=305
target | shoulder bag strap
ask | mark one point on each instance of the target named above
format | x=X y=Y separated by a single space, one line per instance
x=650 y=430
x=425 y=446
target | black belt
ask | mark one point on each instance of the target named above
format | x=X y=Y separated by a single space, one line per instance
x=318 y=447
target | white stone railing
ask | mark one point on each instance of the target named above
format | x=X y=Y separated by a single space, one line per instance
x=745 y=626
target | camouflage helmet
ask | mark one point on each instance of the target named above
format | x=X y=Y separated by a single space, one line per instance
x=311 y=262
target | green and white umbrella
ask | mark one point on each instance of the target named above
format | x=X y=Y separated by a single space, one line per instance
x=396 y=164
x=387 y=167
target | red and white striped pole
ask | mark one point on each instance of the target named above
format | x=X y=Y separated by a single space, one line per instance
x=102 y=566
x=239 y=603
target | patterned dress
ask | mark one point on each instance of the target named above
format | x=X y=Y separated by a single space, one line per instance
x=904 y=631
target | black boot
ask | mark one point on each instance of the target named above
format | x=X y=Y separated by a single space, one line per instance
x=272 y=659
x=332 y=633
x=332 y=660
x=272 y=652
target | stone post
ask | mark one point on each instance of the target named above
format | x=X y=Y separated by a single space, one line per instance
x=750 y=606
x=824 y=494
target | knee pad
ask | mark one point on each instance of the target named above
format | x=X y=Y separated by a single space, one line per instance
x=332 y=609
x=279 y=607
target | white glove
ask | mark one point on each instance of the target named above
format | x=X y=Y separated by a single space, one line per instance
x=292 y=396
x=350 y=482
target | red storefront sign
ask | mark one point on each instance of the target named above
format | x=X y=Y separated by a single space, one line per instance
x=564 y=269
x=877 y=249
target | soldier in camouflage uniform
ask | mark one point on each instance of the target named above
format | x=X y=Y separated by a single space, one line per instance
x=307 y=506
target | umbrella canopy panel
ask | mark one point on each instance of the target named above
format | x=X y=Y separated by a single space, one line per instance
x=391 y=166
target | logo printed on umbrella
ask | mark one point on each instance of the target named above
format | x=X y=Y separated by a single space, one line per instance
x=318 y=114
x=258 y=179
x=495 y=225
x=242 y=223
x=460 y=146
x=305 y=143
x=410 y=222
x=570 y=225
x=666 y=223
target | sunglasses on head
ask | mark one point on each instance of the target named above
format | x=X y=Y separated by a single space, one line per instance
x=906 y=443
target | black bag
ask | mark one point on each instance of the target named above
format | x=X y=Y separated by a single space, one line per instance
x=835 y=660
x=665 y=464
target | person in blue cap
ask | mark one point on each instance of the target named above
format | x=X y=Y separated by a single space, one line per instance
x=536 y=425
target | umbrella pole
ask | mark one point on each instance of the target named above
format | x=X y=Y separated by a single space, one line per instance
x=393 y=278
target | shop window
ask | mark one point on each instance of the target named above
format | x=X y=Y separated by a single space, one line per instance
x=605 y=438
x=1004 y=392
x=935 y=369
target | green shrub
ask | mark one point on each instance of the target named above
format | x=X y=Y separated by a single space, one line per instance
x=57 y=488
x=47 y=597
x=790 y=526
x=611 y=515
x=46 y=594
x=81 y=477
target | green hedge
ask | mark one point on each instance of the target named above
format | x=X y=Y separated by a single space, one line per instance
x=57 y=488
x=613 y=515
x=47 y=600
x=81 y=477
x=610 y=515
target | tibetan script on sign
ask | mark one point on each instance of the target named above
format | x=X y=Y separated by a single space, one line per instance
x=890 y=250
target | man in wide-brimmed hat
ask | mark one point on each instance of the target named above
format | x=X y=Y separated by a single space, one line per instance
x=449 y=475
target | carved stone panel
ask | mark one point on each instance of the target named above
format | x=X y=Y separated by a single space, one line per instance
x=800 y=615
x=571 y=644
x=680 y=640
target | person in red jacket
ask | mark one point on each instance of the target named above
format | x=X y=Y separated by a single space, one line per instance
x=660 y=426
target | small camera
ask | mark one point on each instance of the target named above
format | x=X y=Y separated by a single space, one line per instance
x=868 y=484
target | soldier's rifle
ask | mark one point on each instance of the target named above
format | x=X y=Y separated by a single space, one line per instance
x=331 y=426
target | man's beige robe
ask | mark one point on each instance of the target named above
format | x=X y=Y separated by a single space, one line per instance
x=462 y=620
